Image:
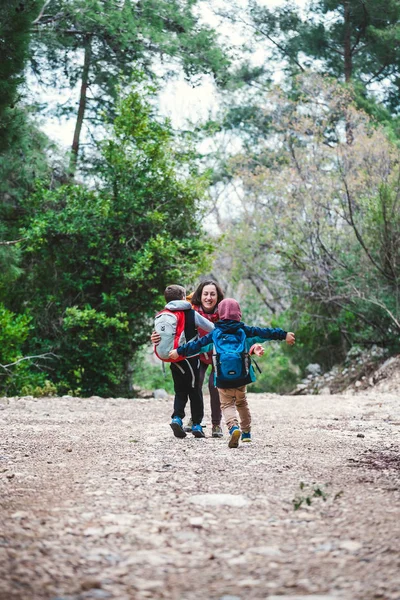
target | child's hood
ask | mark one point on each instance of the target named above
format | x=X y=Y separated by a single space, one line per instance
x=229 y=309
x=178 y=305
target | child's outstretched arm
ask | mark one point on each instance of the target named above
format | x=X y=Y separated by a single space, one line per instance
x=193 y=348
x=290 y=338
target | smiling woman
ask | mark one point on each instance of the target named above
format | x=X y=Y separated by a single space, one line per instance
x=205 y=300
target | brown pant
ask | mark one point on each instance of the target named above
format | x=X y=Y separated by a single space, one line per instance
x=234 y=401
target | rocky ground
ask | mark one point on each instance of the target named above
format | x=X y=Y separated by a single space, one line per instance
x=362 y=370
x=99 y=500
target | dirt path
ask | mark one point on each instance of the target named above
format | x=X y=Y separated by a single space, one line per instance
x=99 y=500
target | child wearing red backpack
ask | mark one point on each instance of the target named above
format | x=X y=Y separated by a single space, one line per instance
x=232 y=342
x=177 y=323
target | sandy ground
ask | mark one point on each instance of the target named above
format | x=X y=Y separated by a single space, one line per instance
x=99 y=500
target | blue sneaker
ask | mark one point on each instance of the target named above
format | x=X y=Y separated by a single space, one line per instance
x=197 y=431
x=234 y=432
x=177 y=427
x=246 y=436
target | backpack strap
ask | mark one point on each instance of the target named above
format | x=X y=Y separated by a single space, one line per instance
x=190 y=325
x=258 y=368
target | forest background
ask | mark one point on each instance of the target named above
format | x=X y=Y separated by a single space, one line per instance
x=287 y=193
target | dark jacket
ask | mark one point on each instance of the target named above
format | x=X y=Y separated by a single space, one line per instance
x=253 y=334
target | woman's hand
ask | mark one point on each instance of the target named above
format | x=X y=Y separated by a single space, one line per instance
x=173 y=354
x=155 y=338
x=290 y=338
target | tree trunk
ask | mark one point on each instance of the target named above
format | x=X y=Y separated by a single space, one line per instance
x=348 y=64
x=82 y=107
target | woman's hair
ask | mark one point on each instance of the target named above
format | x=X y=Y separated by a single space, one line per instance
x=196 y=298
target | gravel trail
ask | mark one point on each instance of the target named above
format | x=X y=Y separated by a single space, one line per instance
x=99 y=500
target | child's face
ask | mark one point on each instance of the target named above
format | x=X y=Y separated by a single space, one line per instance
x=209 y=297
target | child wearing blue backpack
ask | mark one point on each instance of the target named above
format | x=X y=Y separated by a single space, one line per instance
x=232 y=342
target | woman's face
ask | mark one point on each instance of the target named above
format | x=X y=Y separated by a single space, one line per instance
x=209 y=298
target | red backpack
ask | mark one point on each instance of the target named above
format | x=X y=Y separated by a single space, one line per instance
x=176 y=327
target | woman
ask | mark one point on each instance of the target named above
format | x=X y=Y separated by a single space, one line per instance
x=205 y=300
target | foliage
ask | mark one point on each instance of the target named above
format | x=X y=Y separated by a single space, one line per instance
x=14 y=330
x=15 y=22
x=99 y=43
x=149 y=376
x=21 y=146
x=9 y=259
x=37 y=391
x=346 y=39
x=319 y=229
x=278 y=373
x=22 y=165
x=96 y=262
x=309 y=493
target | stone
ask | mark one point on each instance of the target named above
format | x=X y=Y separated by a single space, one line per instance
x=219 y=500
x=160 y=394
x=325 y=391
x=314 y=369
x=142 y=584
x=89 y=584
x=266 y=550
x=143 y=394
x=301 y=386
x=93 y=531
x=350 y=545
x=248 y=582
x=197 y=522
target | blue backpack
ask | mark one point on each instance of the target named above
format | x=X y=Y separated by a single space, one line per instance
x=231 y=359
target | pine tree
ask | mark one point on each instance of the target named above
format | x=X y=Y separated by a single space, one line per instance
x=354 y=41
x=16 y=19
x=101 y=43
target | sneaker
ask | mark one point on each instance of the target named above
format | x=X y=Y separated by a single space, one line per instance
x=217 y=431
x=197 y=431
x=189 y=425
x=246 y=436
x=234 y=432
x=177 y=427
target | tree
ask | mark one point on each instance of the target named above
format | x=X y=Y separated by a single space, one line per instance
x=21 y=146
x=352 y=40
x=318 y=237
x=97 y=261
x=100 y=43
x=15 y=21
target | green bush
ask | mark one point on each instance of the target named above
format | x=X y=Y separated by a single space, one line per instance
x=17 y=372
x=47 y=389
x=97 y=261
x=278 y=373
x=149 y=376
